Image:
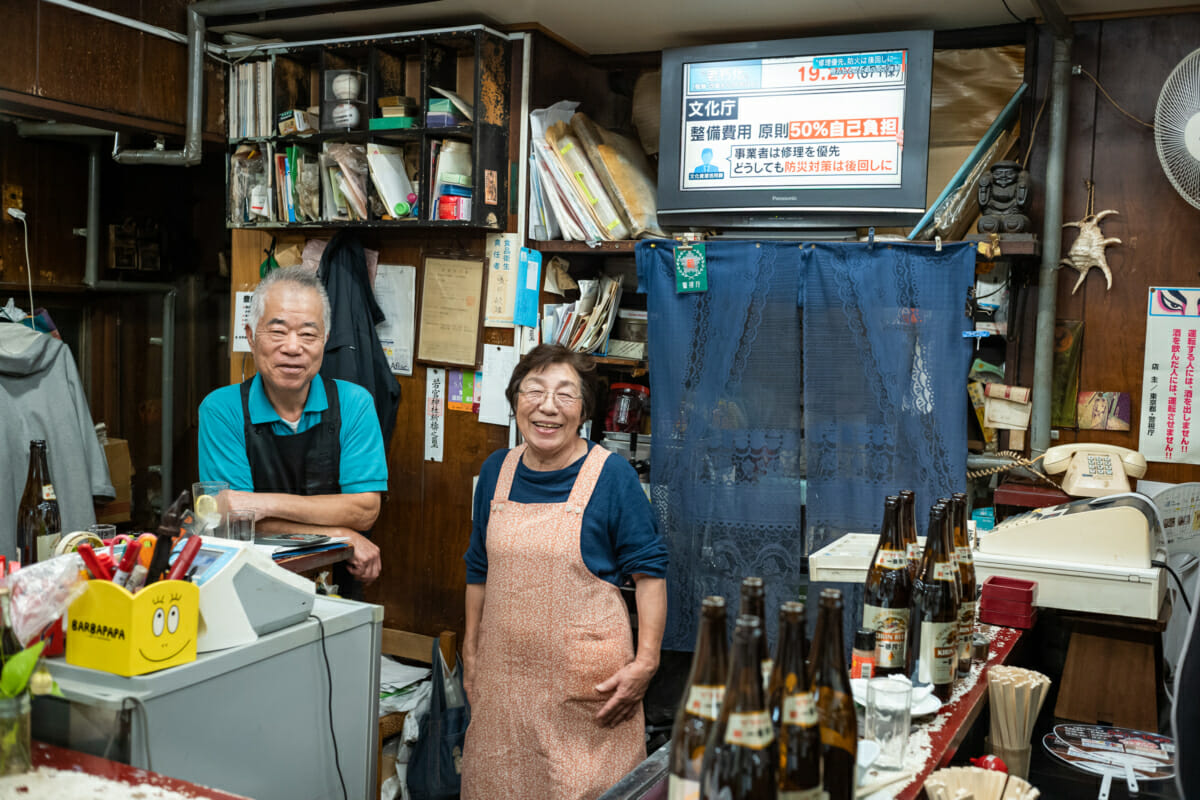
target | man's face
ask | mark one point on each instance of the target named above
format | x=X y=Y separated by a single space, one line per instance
x=290 y=339
x=1005 y=176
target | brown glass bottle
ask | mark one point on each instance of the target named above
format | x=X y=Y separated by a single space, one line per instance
x=754 y=604
x=701 y=703
x=37 y=515
x=908 y=531
x=740 y=760
x=933 y=632
x=793 y=710
x=835 y=706
x=967 y=585
x=9 y=644
x=887 y=594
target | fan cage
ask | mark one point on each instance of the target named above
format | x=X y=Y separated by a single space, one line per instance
x=1178 y=103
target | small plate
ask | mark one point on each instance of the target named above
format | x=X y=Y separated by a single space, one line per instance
x=923 y=703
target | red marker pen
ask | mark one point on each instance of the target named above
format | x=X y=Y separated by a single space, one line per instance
x=185 y=558
x=92 y=563
x=128 y=561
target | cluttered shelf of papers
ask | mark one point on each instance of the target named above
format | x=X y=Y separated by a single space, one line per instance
x=587 y=183
x=291 y=182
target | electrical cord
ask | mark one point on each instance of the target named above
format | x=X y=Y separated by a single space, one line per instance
x=125 y=729
x=1108 y=97
x=1018 y=460
x=1182 y=592
x=1010 y=11
x=337 y=762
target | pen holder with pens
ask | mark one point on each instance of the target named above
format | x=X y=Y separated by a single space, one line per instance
x=111 y=630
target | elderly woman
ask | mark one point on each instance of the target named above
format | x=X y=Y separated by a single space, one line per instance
x=550 y=671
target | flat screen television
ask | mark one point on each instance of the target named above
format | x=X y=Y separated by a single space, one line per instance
x=822 y=132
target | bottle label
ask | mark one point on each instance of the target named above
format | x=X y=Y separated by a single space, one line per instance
x=964 y=555
x=48 y=492
x=705 y=701
x=682 y=789
x=939 y=646
x=945 y=571
x=966 y=628
x=752 y=729
x=914 y=552
x=891 y=559
x=862 y=666
x=836 y=712
x=801 y=794
x=799 y=709
x=891 y=633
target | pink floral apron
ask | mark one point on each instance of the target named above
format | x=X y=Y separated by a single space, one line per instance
x=551 y=631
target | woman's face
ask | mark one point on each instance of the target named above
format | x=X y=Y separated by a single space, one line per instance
x=550 y=423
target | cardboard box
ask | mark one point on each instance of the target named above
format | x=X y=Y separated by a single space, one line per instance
x=120 y=471
x=295 y=120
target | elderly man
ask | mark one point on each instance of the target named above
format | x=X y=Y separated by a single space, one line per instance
x=306 y=456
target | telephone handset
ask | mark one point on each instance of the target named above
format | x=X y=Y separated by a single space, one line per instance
x=1094 y=470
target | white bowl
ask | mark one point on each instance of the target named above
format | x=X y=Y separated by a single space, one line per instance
x=924 y=702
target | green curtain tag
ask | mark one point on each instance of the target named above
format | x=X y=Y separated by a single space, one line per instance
x=691 y=268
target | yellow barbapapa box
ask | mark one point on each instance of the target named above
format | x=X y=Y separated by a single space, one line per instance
x=127 y=634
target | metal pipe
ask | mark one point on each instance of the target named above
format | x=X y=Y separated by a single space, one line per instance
x=27 y=129
x=1043 y=359
x=91 y=264
x=223 y=8
x=190 y=154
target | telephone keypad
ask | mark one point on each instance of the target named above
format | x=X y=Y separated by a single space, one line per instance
x=1100 y=465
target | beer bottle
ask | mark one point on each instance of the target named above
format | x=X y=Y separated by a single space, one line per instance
x=10 y=645
x=701 y=703
x=739 y=759
x=887 y=594
x=835 y=705
x=966 y=572
x=754 y=604
x=794 y=711
x=908 y=531
x=933 y=633
x=37 y=515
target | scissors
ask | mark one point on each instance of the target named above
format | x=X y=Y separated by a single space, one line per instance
x=127 y=540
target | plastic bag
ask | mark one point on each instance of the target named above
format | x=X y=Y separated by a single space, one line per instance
x=435 y=768
x=42 y=592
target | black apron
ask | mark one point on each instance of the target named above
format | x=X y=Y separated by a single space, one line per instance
x=307 y=463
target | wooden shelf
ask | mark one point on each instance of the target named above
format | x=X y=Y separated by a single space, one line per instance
x=625 y=246
x=386 y=224
x=628 y=363
x=1011 y=244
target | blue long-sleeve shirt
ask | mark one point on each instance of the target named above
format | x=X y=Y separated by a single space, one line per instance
x=618 y=536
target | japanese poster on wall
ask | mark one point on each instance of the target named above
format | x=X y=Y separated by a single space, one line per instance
x=1169 y=376
x=827 y=121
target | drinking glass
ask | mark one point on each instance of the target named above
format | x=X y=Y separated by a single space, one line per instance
x=206 y=503
x=889 y=715
x=239 y=525
x=104 y=530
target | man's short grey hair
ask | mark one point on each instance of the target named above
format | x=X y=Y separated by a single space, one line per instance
x=297 y=276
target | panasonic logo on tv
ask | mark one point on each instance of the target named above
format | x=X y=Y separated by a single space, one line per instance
x=777 y=198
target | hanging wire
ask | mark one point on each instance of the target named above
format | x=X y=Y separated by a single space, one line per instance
x=1010 y=11
x=1033 y=133
x=1108 y=97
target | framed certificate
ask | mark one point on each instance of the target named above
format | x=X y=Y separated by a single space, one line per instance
x=451 y=310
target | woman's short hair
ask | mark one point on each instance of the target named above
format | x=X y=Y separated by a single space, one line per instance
x=547 y=355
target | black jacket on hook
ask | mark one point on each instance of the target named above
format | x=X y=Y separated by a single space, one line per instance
x=353 y=352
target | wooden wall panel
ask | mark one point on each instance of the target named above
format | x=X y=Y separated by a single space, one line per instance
x=18 y=65
x=1160 y=232
x=105 y=73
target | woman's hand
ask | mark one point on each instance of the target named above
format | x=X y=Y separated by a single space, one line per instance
x=626 y=688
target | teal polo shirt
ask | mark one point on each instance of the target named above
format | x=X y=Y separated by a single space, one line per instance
x=222 y=442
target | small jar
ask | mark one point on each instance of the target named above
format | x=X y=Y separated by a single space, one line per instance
x=862 y=659
x=625 y=403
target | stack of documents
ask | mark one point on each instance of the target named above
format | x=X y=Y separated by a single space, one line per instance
x=587 y=184
x=584 y=326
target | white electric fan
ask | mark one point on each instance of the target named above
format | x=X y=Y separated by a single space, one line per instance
x=1177 y=128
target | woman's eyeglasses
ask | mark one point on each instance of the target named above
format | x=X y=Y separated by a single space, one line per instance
x=535 y=397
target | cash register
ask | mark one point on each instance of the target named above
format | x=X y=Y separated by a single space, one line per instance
x=244 y=594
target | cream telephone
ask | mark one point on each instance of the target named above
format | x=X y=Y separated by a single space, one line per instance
x=1094 y=470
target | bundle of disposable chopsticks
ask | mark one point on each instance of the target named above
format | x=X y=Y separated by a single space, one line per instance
x=1016 y=696
x=973 y=783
